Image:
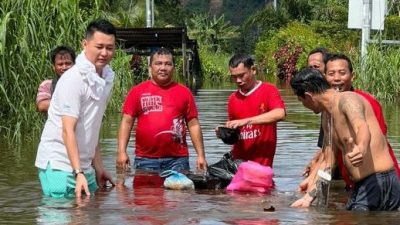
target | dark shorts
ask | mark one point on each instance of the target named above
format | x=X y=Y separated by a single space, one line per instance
x=379 y=191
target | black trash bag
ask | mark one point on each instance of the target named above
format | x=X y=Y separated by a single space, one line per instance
x=218 y=175
x=229 y=135
x=204 y=181
x=224 y=168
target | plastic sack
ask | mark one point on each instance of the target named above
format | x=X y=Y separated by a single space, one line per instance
x=176 y=180
x=205 y=181
x=252 y=177
x=224 y=169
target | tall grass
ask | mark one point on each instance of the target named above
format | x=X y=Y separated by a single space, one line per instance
x=214 y=66
x=29 y=29
x=381 y=72
x=124 y=78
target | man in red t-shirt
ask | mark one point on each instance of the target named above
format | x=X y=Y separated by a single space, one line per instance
x=254 y=108
x=164 y=111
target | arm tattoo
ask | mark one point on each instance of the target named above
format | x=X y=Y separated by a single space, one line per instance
x=352 y=107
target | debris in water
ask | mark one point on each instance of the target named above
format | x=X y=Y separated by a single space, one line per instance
x=270 y=209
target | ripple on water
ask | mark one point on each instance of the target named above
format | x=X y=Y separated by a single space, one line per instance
x=21 y=201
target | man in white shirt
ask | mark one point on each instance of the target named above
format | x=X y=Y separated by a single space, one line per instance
x=68 y=157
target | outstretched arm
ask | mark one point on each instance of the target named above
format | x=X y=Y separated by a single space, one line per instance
x=197 y=139
x=309 y=185
x=311 y=165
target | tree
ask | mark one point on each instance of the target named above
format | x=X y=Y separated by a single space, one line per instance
x=214 y=33
x=169 y=13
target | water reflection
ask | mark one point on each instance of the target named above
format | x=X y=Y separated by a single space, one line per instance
x=144 y=201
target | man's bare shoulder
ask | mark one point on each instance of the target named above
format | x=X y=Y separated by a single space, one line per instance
x=351 y=103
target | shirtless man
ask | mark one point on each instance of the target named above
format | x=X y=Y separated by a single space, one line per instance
x=356 y=130
x=340 y=75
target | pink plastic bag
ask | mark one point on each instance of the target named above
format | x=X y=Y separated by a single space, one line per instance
x=252 y=177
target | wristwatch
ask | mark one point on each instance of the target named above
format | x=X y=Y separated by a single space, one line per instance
x=75 y=172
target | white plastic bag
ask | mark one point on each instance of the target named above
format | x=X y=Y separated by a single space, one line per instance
x=176 y=181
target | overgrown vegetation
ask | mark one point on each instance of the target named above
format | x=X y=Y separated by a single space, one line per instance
x=279 y=38
x=29 y=29
x=380 y=73
x=295 y=41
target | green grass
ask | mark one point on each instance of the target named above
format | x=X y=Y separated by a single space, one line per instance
x=29 y=29
x=381 y=74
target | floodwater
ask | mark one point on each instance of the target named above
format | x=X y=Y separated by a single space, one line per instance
x=144 y=201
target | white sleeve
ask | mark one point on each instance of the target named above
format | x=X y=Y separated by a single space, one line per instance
x=69 y=93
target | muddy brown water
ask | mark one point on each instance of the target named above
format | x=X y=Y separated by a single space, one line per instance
x=21 y=201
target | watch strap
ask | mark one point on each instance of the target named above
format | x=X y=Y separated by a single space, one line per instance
x=75 y=172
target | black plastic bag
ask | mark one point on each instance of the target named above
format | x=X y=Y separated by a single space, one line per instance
x=204 y=181
x=218 y=175
x=229 y=135
x=225 y=168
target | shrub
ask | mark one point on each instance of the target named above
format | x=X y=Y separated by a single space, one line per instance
x=298 y=39
x=214 y=66
x=392 y=27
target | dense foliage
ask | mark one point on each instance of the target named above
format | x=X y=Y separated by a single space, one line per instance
x=380 y=72
x=279 y=38
x=29 y=29
x=286 y=50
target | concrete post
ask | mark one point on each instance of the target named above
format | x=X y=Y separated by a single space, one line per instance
x=366 y=27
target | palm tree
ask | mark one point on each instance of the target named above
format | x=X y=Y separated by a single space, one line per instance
x=213 y=32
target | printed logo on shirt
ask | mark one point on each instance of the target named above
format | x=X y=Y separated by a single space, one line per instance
x=262 y=108
x=176 y=130
x=152 y=103
x=248 y=132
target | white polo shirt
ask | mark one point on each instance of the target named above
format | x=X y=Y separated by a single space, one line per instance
x=83 y=94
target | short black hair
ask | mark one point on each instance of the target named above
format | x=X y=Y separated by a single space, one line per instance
x=238 y=58
x=62 y=50
x=161 y=51
x=309 y=80
x=336 y=56
x=101 y=25
x=324 y=51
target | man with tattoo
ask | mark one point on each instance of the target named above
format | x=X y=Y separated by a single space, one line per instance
x=351 y=125
x=340 y=75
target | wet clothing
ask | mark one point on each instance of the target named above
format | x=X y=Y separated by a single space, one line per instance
x=257 y=142
x=180 y=164
x=162 y=114
x=379 y=191
x=81 y=94
x=61 y=184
